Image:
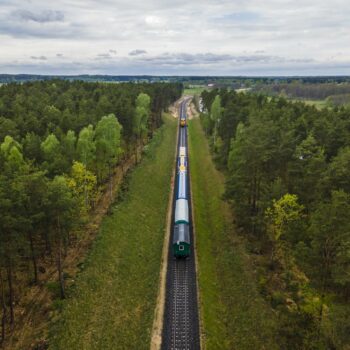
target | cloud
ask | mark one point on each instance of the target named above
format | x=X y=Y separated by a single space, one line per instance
x=208 y=58
x=191 y=66
x=40 y=58
x=41 y=17
x=199 y=36
x=103 y=56
x=137 y=52
x=154 y=21
x=59 y=54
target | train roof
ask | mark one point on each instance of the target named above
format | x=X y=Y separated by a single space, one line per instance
x=181 y=211
x=182 y=185
x=181 y=233
x=182 y=152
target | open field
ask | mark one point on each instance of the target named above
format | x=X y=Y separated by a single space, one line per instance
x=319 y=104
x=194 y=90
x=112 y=304
x=234 y=316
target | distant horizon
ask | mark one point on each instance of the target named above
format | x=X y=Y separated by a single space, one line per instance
x=178 y=75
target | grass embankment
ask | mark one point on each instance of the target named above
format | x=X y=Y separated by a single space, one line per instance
x=113 y=302
x=234 y=315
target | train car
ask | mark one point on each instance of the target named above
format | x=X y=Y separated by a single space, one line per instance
x=181 y=235
x=181 y=241
x=182 y=152
x=182 y=163
x=181 y=211
x=181 y=192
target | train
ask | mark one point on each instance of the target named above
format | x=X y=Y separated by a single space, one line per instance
x=181 y=232
x=183 y=118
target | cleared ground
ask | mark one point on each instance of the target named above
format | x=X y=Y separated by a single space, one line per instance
x=319 y=104
x=112 y=304
x=197 y=90
x=234 y=316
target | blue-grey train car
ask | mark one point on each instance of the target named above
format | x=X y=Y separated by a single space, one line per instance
x=182 y=152
x=182 y=163
x=182 y=191
x=181 y=211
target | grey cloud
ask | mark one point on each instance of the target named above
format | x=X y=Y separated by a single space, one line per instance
x=41 y=17
x=137 y=52
x=131 y=66
x=59 y=55
x=103 y=56
x=242 y=36
x=40 y=58
x=210 y=59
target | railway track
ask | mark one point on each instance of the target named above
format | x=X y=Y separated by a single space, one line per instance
x=181 y=323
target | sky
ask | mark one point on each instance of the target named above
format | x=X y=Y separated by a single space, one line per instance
x=175 y=37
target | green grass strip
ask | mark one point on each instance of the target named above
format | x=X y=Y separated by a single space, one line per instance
x=234 y=315
x=113 y=302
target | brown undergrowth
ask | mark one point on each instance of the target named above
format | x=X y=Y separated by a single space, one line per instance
x=34 y=302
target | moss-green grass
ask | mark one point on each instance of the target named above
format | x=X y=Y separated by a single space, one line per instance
x=194 y=90
x=234 y=314
x=319 y=104
x=112 y=304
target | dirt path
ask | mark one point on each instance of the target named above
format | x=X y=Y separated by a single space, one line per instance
x=192 y=110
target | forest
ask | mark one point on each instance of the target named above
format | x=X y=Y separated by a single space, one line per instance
x=287 y=179
x=59 y=144
x=335 y=93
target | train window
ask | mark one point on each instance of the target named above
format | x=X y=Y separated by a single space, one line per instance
x=181 y=247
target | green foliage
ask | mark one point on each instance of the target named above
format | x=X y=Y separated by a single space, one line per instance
x=337 y=175
x=13 y=163
x=330 y=240
x=86 y=147
x=108 y=144
x=57 y=105
x=7 y=128
x=69 y=146
x=44 y=190
x=113 y=302
x=83 y=184
x=32 y=147
x=233 y=313
x=8 y=145
x=282 y=214
x=51 y=149
x=215 y=115
x=274 y=152
x=141 y=116
x=307 y=169
x=62 y=206
x=315 y=92
x=216 y=110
